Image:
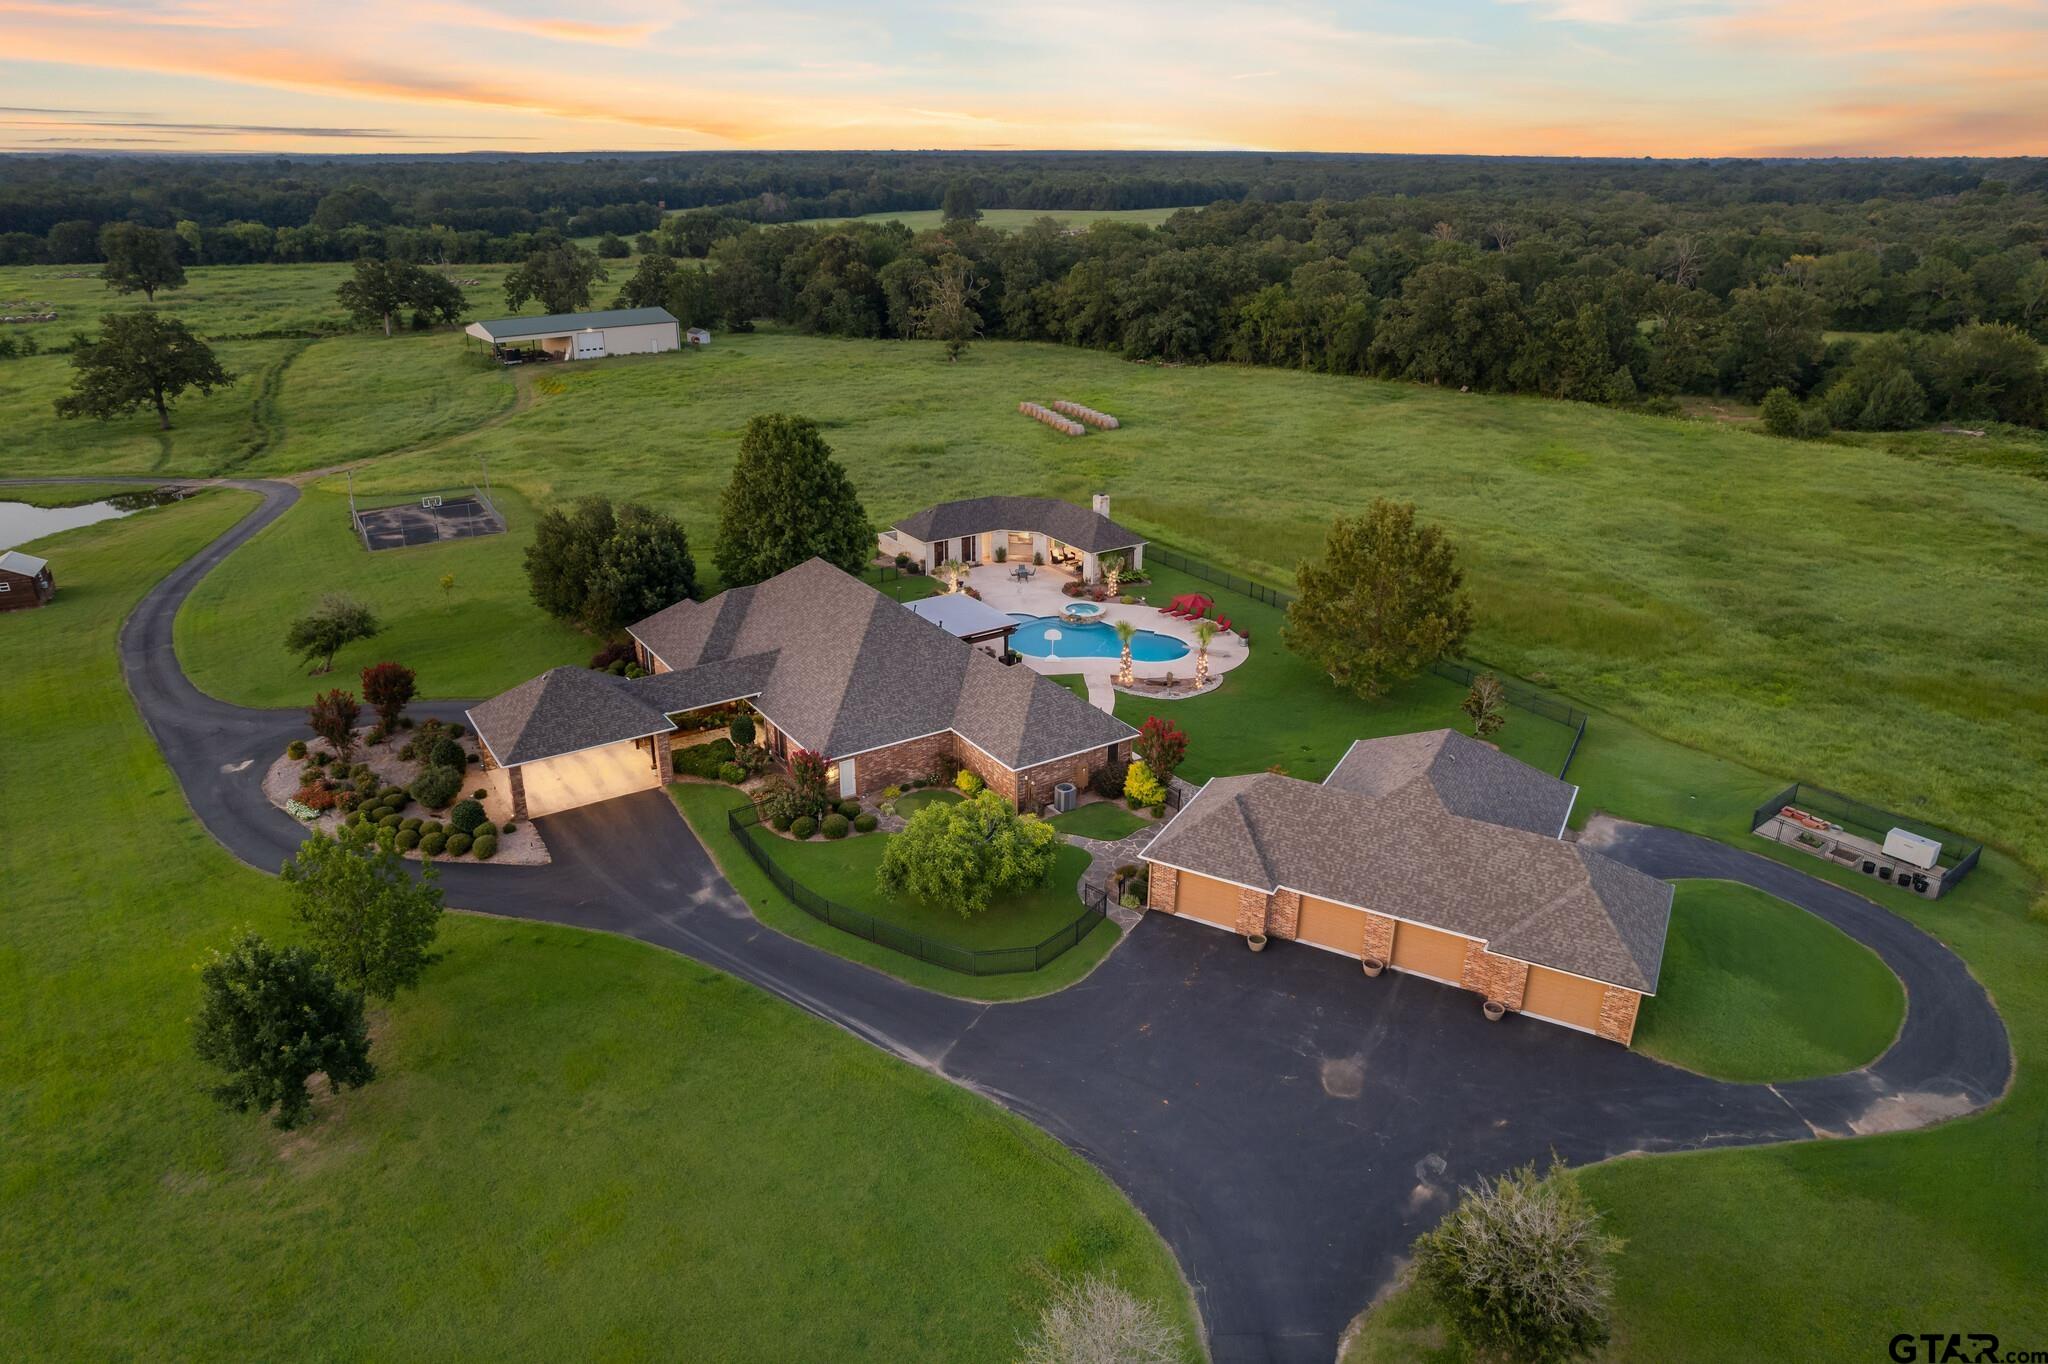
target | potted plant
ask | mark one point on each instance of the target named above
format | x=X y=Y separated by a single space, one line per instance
x=1494 y=1010
x=1255 y=941
x=1373 y=966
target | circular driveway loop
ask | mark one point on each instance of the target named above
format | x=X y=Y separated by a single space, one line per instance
x=1286 y=1124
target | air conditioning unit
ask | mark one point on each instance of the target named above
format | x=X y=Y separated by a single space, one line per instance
x=1910 y=847
x=1065 y=797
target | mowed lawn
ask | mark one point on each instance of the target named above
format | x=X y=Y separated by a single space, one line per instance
x=578 y=1145
x=1758 y=990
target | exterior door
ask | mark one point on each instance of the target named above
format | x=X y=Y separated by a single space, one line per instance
x=967 y=555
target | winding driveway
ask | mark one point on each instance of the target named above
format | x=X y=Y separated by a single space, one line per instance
x=1287 y=1125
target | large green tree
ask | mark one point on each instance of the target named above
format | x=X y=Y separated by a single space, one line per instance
x=272 y=1018
x=1773 y=335
x=966 y=854
x=604 y=567
x=946 y=310
x=560 y=276
x=379 y=290
x=789 y=500
x=371 y=922
x=338 y=620
x=139 y=360
x=1384 y=599
x=140 y=259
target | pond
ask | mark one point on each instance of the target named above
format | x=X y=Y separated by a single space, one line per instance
x=1051 y=637
x=21 y=522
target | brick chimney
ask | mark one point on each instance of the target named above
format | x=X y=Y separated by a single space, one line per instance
x=1102 y=504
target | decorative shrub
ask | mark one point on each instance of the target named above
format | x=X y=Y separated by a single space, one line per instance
x=467 y=817
x=432 y=826
x=447 y=753
x=807 y=771
x=891 y=792
x=387 y=792
x=478 y=794
x=864 y=822
x=408 y=839
x=753 y=757
x=902 y=559
x=485 y=847
x=509 y=827
x=316 y=798
x=376 y=736
x=408 y=750
x=968 y=783
x=412 y=824
x=436 y=786
x=803 y=828
x=297 y=810
x=432 y=845
x=781 y=820
x=388 y=822
x=296 y=749
x=457 y=844
x=1141 y=787
x=1108 y=781
x=850 y=808
x=835 y=825
x=732 y=774
x=621 y=653
x=405 y=722
x=741 y=731
x=1037 y=560
x=703 y=760
x=1002 y=554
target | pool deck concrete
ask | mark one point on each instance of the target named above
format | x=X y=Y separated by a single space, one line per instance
x=1041 y=596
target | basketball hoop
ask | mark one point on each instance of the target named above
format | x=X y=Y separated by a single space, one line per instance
x=430 y=502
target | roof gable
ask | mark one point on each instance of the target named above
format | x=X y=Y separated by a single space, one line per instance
x=27 y=565
x=1082 y=527
x=564 y=710
x=1461 y=776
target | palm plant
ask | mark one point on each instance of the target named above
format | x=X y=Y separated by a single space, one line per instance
x=1205 y=630
x=1125 y=633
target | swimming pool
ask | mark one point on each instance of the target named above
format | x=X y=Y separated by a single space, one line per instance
x=1090 y=641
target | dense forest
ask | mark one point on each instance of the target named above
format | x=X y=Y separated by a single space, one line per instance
x=1603 y=280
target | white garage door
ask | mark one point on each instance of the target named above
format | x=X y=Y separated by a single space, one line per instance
x=579 y=778
x=589 y=345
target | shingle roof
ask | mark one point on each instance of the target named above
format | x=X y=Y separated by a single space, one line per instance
x=1526 y=895
x=511 y=328
x=849 y=670
x=27 y=565
x=1080 y=527
x=564 y=710
x=1465 y=776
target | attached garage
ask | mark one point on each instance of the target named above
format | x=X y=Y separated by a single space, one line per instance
x=1213 y=901
x=1560 y=997
x=1327 y=924
x=1429 y=952
x=584 y=778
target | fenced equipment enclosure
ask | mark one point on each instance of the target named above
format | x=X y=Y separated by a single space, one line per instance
x=394 y=520
x=1832 y=826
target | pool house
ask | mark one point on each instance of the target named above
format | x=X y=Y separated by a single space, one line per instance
x=1022 y=533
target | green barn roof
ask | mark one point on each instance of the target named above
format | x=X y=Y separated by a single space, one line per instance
x=518 y=328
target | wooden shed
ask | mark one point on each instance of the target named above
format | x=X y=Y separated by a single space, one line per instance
x=25 y=581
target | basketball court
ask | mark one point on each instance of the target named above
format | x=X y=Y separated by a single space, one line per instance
x=428 y=519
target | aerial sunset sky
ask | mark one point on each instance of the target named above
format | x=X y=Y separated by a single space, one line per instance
x=1573 y=77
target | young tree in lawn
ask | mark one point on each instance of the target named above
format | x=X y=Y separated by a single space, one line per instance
x=381 y=289
x=332 y=716
x=1522 y=1268
x=1486 y=705
x=644 y=566
x=272 y=1018
x=789 y=500
x=140 y=259
x=336 y=622
x=946 y=311
x=140 y=360
x=1384 y=600
x=447 y=589
x=967 y=854
x=388 y=687
x=1125 y=633
x=1780 y=412
x=559 y=276
x=371 y=922
x=1161 y=746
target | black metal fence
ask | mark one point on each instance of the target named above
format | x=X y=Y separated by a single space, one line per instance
x=744 y=820
x=1958 y=854
x=1516 y=694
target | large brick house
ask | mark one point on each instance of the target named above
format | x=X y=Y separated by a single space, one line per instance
x=827 y=664
x=1432 y=854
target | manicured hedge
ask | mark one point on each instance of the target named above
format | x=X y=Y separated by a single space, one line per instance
x=436 y=786
x=457 y=844
x=804 y=828
x=849 y=808
x=864 y=822
x=467 y=817
x=732 y=773
x=485 y=847
x=835 y=826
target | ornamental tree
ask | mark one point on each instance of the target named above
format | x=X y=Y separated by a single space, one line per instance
x=807 y=774
x=140 y=359
x=388 y=687
x=1125 y=633
x=1486 y=706
x=371 y=922
x=332 y=716
x=335 y=623
x=272 y=1018
x=1384 y=600
x=967 y=854
x=789 y=500
x=1161 y=746
x=1522 y=1268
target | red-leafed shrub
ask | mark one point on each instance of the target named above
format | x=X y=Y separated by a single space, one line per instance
x=388 y=688
x=316 y=796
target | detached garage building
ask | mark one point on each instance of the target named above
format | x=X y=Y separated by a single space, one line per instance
x=580 y=336
x=1437 y=855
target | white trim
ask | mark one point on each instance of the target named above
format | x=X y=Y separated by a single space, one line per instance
x=1570 y=805
x=1560 y=1023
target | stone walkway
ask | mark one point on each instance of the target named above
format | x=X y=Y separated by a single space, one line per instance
x=1101 y=694
x=1105 y=858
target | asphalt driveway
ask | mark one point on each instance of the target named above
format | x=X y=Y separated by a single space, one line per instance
x=1288 y=1125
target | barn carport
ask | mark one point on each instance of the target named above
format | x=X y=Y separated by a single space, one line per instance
x=572 y=737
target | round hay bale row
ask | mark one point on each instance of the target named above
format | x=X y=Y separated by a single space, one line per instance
x=1086 y=414
x=1052 y=419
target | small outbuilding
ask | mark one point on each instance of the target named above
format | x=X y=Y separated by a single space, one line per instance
x=697 y=336
x=25 y=581
x=580 y=336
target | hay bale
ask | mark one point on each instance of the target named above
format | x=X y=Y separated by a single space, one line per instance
x=1086 y=414
x=1052 y=419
